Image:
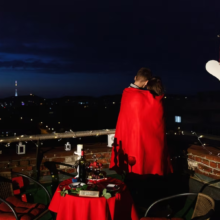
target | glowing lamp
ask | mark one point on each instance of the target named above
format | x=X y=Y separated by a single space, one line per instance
x=110 y=139
x=67 y=146
x=20 y=148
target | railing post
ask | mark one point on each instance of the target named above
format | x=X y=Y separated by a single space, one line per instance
x=38 y=160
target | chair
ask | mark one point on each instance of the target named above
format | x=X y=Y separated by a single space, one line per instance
x=11 y=207
x=203 y=210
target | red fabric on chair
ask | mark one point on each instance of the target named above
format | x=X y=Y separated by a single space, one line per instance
x=35 y=211
x=27 y=213
x=17 y=191
x=19 y=210
x=28 y=210
x=24 y=198
x=18 y=203
x=41 y=206
x=5 y=208
x=152 y=218
x=18 y=181
x=10 y=216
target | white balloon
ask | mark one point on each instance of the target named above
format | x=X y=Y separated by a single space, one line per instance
x=213 y=67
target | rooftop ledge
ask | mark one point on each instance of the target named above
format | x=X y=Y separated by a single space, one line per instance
x=205 y=163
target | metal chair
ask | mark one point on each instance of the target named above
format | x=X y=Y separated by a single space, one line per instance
x=203 y=210
x=6 y=191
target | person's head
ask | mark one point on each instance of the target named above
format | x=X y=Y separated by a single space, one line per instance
x=155 y=86
x=142 y=77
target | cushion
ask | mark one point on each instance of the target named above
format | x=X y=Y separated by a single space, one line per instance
x=35 y=212
x=19 y=210
x=41 y=206
x=17 y=182
x=13 y=200
x=10 y=216
x=152 y=218
x=5 y=208
x=25 y=210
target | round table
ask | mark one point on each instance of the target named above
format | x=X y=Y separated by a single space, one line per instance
x=71 y=207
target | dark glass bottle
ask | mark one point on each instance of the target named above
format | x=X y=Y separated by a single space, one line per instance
x=82 y=168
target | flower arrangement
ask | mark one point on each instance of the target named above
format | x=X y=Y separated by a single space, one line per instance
x=76 y=191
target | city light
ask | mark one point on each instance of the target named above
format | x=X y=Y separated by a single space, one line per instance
x=178 y=119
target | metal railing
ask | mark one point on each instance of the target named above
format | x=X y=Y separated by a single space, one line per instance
x=78 y=134
x=69 y=134
x=202 y=135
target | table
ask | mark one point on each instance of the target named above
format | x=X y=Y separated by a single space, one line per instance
x=71 y=207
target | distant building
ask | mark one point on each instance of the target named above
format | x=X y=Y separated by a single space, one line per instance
x=16 y=90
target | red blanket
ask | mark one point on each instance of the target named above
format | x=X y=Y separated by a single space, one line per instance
x=140 y=135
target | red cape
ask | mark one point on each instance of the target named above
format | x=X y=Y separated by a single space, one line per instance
x=140 y=133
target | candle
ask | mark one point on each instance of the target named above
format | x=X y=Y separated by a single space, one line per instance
x=79 y=147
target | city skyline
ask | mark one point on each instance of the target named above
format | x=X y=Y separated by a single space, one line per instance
x=96 y=48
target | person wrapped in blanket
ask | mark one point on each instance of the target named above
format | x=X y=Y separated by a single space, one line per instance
x=140 y=145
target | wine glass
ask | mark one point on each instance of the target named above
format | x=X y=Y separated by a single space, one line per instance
x=131 y=161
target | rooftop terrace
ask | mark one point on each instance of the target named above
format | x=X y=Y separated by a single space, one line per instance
x=196 y=169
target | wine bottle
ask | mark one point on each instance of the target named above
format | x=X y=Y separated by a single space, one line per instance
x=82 y=168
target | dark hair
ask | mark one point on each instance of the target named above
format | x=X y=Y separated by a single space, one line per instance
x=155 y=86
x=143 y=74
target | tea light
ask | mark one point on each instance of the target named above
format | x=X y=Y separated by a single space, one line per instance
x=79 y=148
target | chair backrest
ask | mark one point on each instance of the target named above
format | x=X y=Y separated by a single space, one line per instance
x=6 y=188
x=203 y=205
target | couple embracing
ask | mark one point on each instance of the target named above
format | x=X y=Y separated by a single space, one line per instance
x=140 y=132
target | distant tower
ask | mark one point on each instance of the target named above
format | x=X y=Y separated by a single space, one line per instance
x=16 y=91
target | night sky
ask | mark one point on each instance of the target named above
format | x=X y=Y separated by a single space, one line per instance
x=95 y=48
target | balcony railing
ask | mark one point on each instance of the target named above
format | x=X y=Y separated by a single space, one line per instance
x=78 y=134
x=69 y=134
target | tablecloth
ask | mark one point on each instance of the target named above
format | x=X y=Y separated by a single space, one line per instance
x=71 y=207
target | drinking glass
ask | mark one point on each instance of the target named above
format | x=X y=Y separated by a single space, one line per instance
x=131 y=161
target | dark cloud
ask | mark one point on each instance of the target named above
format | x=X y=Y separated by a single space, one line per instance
x=109 y=37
